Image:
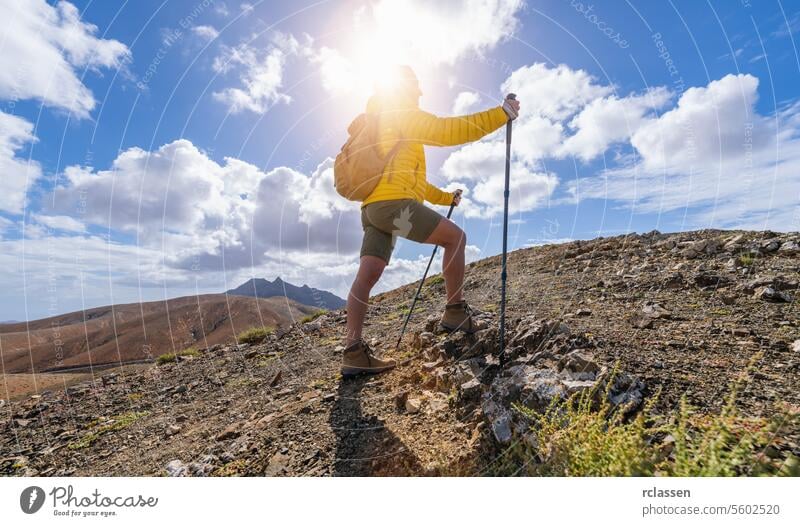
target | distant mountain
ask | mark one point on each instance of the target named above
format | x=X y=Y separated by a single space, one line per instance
x=263 y=288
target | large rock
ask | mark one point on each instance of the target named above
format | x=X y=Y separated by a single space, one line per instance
x=176 y=468
x=626 y=392
x=772 y=295
x=499 y=419
x=654 y=310
x=710 y=280
x=693 y=249
x=579 y=365
x=789 y=247
x=531 y=333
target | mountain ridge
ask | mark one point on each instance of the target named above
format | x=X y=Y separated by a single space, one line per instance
x=263 y=288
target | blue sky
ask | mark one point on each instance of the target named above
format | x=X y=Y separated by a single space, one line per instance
x=152 y=149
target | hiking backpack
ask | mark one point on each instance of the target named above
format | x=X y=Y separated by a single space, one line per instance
x=358 y=167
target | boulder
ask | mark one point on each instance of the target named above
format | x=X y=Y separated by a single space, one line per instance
x=772 y=295
x=542 y=387
x=626 y=392
x=470 y=391
x=278 y=465
x=579 y=365
x=176 y=468
x=734 y=243
x=655 y=311
x=771 y=245
x=710 y=280
x=413 y=405
x=789 y=247
x=498 y=418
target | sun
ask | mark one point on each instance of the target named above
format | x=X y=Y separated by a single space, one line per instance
x=362 y=59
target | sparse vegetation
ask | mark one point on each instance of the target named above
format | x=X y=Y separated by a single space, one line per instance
x=584 y=437
x=173 y=357
x=746 y=260
x=255 y=335
x=115 y=424
x=313 y=316
x=231 y=469
x=434 y=280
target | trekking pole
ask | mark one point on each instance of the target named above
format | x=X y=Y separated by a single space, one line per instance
x=421 y=283
x=503 y=275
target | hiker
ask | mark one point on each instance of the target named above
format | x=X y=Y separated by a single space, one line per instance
x=395 y=206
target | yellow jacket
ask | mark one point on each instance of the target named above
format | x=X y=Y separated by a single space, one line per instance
x=404 y=176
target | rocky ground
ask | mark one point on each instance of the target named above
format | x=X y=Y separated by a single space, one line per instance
x=682 y=314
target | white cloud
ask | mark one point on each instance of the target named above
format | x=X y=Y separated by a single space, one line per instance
x=706 y=126
x=549 y=97
x=682 y=153
x=261 y=73
x=211 y=215
x=540 y=242
x=41 y=48
x=714 y=155
x=608 y=120
x=553 y=92
x=205 y=32
x=18 y=174
x=89 y=271
x=221 y=8
x=465 y=102
x=63 y=223
x=262 y=80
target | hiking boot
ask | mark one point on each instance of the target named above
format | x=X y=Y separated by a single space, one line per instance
x=358 y=359
x=458 y=317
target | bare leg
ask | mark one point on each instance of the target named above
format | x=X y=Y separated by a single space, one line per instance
x=369 y=271
x=454 y=240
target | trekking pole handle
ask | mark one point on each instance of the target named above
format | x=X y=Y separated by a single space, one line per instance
x=456 y=194
x=512 y=96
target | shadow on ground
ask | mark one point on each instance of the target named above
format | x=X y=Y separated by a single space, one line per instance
x=364 y=446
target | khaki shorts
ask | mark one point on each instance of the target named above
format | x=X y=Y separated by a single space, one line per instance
x=383 y=221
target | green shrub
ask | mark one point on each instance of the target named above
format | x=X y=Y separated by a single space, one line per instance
x=434 y=280
x=117 y=423
x=313 y=316
x=171 y=357
x=583 y=437
x=254 y=335
x=746 y=260
x=166 y=358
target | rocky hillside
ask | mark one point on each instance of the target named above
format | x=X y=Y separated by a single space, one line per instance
x=636 y=323
x=137 y=331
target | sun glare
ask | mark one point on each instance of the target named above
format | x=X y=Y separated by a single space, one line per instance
x=391 y=34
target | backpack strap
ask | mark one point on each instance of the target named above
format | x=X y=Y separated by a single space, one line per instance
x=392 y=153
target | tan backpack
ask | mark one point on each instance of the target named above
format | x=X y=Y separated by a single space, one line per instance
x=358 y=167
